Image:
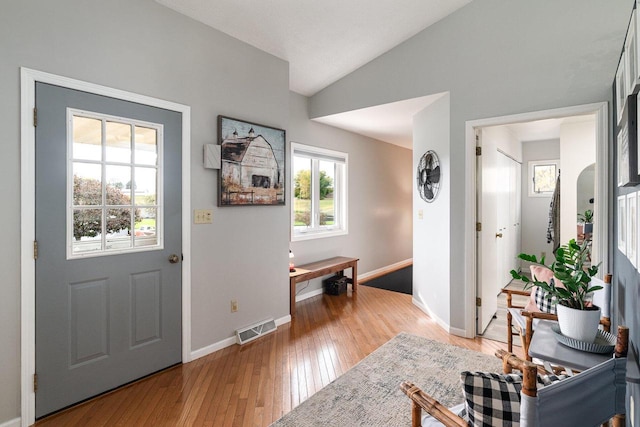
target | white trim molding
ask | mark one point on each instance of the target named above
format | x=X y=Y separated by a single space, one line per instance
x=384 y=270
x=601 y=207
x=228 y=342
x=28 y=79
x=16 y=422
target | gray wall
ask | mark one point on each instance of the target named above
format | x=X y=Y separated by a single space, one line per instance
x=432 y=267
x=380 y=184
x=535 y=210
x=146 y=48
x=495 y=57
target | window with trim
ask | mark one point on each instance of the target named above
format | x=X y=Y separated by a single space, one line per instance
x=318 y=192
x=542 y=177
x=113 y=185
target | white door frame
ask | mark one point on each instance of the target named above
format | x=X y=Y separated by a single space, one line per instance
x=600 y=109
x=28 y=79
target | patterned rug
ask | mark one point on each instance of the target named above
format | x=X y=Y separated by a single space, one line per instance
x=369 y=393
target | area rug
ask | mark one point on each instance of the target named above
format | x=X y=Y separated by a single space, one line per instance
x=369 y=394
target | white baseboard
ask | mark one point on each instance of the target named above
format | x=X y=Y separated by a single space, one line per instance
x=450 y=330
x=16 y=422
x=227 y=342
x=430 y=313
x=384 y=270
x=308 y=295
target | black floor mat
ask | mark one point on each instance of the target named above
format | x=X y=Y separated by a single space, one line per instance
x=398 y=281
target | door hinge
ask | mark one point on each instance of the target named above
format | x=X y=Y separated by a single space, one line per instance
x=35 y=117
x=478 y=151
x=478 y=226
x=35 y=249
x=35 y=382
x=478 y=302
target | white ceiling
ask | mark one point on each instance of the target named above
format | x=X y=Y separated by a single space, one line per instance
x=392 y=123
x=541 y=130
x=323 y=40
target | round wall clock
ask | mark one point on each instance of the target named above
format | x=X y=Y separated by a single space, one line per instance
x=428 y=180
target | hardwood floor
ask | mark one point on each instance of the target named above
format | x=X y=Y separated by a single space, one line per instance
x=257 y=383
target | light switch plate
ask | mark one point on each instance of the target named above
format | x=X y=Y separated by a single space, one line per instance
x=420 y=214
x=203 y=216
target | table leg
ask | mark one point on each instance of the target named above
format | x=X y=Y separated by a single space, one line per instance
x=354 y=270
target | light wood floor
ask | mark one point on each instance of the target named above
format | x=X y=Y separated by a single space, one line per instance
x=257 y=383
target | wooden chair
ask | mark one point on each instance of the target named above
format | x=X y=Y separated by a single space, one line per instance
x=523 y=320
x=588 y=398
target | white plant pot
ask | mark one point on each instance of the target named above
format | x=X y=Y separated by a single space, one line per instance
x=581 y=325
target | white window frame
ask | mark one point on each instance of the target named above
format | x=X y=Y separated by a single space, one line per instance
x=340 y=190
x=532 y=164
x=159 y=206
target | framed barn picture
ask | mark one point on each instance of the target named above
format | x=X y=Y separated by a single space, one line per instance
x=252 y=168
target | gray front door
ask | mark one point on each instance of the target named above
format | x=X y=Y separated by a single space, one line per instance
x=108 y=222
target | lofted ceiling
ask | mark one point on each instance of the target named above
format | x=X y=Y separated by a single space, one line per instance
x=325 y=40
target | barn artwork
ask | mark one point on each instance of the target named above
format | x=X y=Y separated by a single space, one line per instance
x=253 y=164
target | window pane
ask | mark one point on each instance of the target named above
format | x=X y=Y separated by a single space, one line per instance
x=87 y=229
x=118 y=141
x=145 y=231
x=145 y=186
x=118 y=185
x=87 y=139
x=146 y=146
x=327 y=201
x=544 y=178
x=118 y=228
x=87 y=184
x=302 y=191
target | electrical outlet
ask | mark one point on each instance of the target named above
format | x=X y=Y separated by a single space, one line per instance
x=543 y=254
x=234 y=305
x=420 y=214
x=202 y=216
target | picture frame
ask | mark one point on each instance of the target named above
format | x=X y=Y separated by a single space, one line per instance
x=252 y=170
x=622 y=224
x=627 y=145
x=622 y=148
x=621 y=87
x=632 y=228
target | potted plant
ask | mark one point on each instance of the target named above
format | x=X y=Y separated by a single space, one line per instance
x=587 y=219
x=578 y=319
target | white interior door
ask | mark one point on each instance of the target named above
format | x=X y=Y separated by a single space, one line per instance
x=504 y=235
x=487 y=203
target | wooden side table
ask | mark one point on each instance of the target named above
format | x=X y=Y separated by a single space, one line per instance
x=318 y=269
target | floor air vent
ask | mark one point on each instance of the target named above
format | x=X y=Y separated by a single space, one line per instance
x=252 y=332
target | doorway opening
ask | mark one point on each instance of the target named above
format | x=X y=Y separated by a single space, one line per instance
x=513 y=214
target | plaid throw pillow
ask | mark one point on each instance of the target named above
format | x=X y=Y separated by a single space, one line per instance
x=545 y=301
x=492 y=400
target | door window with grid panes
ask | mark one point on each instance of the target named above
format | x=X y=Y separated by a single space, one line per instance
x=113 y=182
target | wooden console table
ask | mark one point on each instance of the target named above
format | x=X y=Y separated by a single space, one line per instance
x=318 y=269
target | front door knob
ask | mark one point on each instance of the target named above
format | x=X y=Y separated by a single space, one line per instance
x=499 y=235
x=174 y=259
